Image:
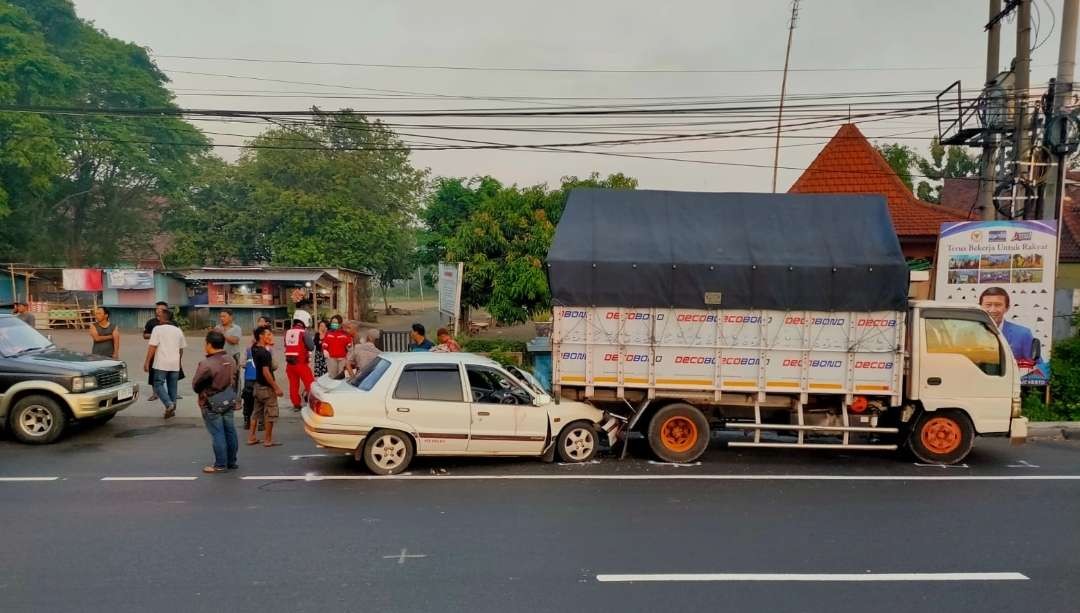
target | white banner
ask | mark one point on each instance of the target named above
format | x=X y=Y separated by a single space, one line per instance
x=450 y=288
x=1008 y=269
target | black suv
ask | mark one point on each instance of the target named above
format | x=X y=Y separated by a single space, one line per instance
x=43 y=387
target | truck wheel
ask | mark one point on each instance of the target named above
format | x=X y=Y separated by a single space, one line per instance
x=678 y=433
x=37 y=420
x=942 y=437
x=388 y=452
x=578 y=442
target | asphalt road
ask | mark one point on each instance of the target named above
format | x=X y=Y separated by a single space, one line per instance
x=298 y=529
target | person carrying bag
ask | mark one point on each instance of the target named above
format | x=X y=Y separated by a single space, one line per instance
x=215 y=383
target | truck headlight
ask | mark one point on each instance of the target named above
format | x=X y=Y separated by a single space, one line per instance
x=1016 y=407
x=83 y=384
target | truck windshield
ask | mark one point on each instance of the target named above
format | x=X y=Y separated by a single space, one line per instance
x=17 y=338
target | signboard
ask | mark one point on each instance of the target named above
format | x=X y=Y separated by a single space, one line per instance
x=130 y=279
x=1008 y=269
x=450 y=288
x=82 y=279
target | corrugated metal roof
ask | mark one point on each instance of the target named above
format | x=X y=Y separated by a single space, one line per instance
x=297 y=276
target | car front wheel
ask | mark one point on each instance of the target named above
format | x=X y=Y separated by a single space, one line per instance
x=37 y=420
x=388 y=452
x=577 y=442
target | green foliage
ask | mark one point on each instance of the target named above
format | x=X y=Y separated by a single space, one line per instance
x=944 y=163
x=504 y=242
x=82 y=189
x=1065 y=379
x=491 y=345
x=1035 y=409
x=451 y=202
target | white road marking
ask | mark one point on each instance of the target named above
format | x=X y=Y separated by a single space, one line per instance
x=149 y=478
x=1023 y=464
x=921 y=465
x=26 y=479
x=679 y=477
x=675 y=464
x=404 y=554
x=812 y=577
x=310 y=455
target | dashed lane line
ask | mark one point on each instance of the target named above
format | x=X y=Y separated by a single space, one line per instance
x=149 y=478
x=812 y=577
x=26 y=479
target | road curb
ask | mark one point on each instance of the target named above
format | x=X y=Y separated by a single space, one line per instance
x=1054 y=429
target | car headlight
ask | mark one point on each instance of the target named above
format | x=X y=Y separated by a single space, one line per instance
x=123 y=375
x=83 y=384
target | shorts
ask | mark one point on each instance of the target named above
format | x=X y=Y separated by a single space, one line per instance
x=266 y=405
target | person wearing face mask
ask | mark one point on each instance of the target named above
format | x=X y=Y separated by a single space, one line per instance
x=335 y=347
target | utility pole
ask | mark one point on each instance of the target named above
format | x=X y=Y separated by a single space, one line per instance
x=989 y=153
x=1063 y=87
x=1022 y=83
x=783 y=91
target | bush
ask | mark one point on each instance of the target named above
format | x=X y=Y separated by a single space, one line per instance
x=492 y=345
x=1065 y=379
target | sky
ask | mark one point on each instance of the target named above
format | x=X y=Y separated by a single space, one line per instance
x=917 y=47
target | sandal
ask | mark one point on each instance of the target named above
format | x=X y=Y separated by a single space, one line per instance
x=212 y=469
x=274 y=444
x=253 y=441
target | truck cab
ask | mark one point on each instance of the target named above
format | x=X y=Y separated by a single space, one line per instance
x=963 y=378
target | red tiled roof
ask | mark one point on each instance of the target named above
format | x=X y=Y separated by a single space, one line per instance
x=849 y=164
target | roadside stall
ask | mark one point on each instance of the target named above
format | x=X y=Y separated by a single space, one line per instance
x=251 y=292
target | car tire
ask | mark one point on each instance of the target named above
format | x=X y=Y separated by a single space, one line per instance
x=37 y=420
x=388 y=452
x=941 y=437
x=577 y=442
x=678 y=433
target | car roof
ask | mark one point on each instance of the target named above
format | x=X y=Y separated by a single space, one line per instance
x=439 y=357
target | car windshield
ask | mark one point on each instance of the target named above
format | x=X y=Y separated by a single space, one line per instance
x=528 y=379
x=17 y=338
x=370 y=375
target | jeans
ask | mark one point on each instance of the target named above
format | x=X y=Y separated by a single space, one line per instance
x=222 y=436
x=165 y=386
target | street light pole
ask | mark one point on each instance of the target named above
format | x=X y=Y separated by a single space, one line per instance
x=783 y=91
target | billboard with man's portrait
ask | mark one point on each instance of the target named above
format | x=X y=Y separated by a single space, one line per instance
x=1007 y=268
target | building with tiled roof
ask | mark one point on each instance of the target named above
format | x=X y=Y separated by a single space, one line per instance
x=849 y=164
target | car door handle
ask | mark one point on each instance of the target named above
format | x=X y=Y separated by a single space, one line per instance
x=402 y=410
x=483 y=413
x=933 y=381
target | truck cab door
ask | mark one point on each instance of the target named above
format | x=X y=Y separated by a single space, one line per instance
x=965 y=364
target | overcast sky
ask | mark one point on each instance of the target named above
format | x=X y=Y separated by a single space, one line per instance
x=919 y=45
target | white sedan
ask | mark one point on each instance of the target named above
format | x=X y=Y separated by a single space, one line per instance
x=449 y=404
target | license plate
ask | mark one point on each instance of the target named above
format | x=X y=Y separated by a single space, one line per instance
x=125 y=393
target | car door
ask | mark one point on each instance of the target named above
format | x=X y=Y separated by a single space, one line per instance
x=430 y=398
x=964 y=364
x=504 y=420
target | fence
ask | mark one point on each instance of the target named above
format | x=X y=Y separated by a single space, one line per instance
x=393 y=340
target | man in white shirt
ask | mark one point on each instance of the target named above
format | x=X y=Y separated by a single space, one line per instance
x=164 y=354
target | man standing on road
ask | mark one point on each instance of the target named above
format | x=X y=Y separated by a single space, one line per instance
x=22 y=311
x=232 y=334
x=215 y=383
x=164 y=354
x=148 y=329
x=105 y=336
x=248 y=395
x=299 y=343
x=418 y=339
x=266 y=388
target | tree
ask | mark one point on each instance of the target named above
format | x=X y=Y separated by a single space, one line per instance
x=505 y=241
x=100 y=180
x=901 y=158
x=450 y=204
x=944 y=163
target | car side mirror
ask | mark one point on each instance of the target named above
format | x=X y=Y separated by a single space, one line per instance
x=541 y=400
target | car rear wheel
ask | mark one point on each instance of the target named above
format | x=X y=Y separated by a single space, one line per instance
x=37 y=420
x=388 y=452
x=577 y=442
x=678 y=433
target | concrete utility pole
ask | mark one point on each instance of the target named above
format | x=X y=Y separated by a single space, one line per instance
x=989 y=153
x=1063 y=87
x=783 y=91
x=1022 y=83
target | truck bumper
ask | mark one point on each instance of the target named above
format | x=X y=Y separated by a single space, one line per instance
x=1018 y=430
x=612 y=427
x=102 y=401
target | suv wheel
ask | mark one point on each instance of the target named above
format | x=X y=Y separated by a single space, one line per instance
x=37 y=420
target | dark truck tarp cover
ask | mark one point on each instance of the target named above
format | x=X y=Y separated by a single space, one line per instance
x=641 y=248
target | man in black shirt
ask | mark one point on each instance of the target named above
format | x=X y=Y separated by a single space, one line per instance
x=267 y=390
x=151 y=323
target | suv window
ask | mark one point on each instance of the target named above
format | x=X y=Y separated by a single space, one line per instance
x=430 y=382
x=972 y=339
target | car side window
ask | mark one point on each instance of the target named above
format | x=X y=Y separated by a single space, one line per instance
x=490 y=386
x=972 y=339
x=438 y=382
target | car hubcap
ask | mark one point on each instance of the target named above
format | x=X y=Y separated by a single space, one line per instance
x=579 y=443
x=941 y=435
x=36 y=420
x=388 y=452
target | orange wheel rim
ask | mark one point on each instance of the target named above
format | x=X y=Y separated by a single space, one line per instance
x=678 y=433
x=941 y=435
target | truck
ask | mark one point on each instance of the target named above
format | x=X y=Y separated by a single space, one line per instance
x=785 y=317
